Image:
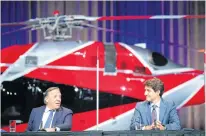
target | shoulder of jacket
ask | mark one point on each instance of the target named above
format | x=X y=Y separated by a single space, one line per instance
x=67 y=110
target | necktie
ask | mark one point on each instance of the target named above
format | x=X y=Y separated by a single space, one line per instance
x=154 y=113
x=49 y=119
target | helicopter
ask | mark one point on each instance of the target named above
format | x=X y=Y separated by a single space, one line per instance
x=97 y=73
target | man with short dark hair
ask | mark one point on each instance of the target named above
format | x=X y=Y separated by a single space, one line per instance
x=52 y=116
x=155 y=112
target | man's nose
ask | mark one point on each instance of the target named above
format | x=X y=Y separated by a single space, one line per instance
x=145 y=93
x=58 y=98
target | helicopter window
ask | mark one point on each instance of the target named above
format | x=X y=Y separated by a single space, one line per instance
x=158 y=59
x=110 y=58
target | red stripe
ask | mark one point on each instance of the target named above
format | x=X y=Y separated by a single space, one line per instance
x=3 y=68
x=123 y=17
x=198 y=98
x=12 y=53
x=194 y=16
x=205 y=57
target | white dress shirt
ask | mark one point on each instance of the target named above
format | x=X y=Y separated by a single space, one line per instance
x=46 y=115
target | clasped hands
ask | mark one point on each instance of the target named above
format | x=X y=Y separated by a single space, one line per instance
x=158 y=126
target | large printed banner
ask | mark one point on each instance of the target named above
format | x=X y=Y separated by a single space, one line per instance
x=111 y=49
x=72 y=66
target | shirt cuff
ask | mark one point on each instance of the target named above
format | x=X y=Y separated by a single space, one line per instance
x=143 y=128
x=57 y=129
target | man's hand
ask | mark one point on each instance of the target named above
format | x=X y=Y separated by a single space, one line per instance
x=159 y=125
x=50 y=129
x=150 y=127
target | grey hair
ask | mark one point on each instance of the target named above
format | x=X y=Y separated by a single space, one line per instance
x=49 y=90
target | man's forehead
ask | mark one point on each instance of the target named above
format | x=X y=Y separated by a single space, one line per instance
x=148 y=88
x=55 y=91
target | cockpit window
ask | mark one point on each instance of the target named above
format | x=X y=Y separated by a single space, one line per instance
x=158 y=59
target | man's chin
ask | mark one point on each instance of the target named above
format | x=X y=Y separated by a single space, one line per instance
x=57 y=106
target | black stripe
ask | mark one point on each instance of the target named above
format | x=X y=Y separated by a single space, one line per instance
x=79 y=101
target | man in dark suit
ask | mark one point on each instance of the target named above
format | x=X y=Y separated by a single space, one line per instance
x=52 y=116
x=155 y=112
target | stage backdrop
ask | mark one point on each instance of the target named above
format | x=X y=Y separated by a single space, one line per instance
x=178 y=40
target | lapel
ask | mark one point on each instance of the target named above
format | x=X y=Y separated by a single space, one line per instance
x=56 y=116
x=39 y=119
x=148 y=113
x=163 y=109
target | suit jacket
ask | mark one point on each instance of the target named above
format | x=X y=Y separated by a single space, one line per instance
x=168 y=115
x=62 y=119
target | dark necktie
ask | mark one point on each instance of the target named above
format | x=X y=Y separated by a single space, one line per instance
x=154 y=113
x=49 y=119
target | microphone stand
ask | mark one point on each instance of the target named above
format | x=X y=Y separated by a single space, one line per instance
x=41 y=128
x=155 y=123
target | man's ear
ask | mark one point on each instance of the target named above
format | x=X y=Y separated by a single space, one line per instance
x=158 y=92
x=46 y=99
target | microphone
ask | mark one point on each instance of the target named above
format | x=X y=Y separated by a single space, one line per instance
x=41 y=127
x=155 y=123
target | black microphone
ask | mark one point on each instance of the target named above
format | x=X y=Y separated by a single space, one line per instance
x=155 y=123
x=41 y=127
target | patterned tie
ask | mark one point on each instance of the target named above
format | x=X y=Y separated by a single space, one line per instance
x=154 y=113
x=49 y=119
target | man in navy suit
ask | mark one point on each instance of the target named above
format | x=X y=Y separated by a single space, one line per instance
x=52 y=116
x=155 y=112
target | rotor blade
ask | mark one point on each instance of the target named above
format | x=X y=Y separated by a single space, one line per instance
x=13 y=24
x=151 y=17
x=143 y=37
x=23 y=28
x=28 y=22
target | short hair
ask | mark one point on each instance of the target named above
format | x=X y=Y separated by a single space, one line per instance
x=47 y=91
x=156 y=84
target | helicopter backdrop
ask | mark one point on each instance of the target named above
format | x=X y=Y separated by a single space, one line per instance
x=180 y=40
